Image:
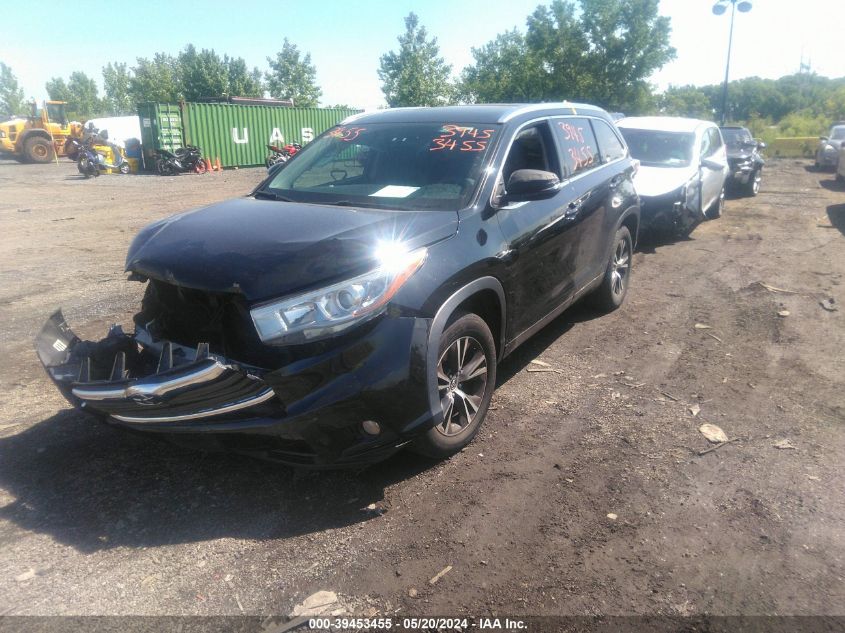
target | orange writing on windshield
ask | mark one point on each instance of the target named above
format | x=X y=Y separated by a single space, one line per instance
x=464 y=138
x=346 y=133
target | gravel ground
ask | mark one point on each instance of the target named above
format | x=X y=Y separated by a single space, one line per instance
x=585 y=492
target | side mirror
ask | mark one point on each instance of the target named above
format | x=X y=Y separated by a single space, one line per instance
x=709 y=163
x=760 y=144
x=531 y=184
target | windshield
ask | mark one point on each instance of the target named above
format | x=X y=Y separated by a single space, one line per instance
x=56 y=113
x=656 y=148
x=393 y=165
x=735 y=137
x=837 y=133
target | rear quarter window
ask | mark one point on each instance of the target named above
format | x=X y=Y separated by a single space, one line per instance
x=609 y=146
x=579 y=149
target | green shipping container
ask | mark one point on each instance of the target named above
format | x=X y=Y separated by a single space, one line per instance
x=239 y=134
x=161 y=128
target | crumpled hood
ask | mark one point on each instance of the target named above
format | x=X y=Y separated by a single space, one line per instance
x=265 y=248
x=657 y=181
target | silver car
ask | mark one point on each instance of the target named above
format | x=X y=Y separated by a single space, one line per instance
x=827 y=154
x=683 y=168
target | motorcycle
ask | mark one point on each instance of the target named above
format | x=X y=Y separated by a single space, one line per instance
x=281 y=154
x=72 y=148
x=184 y=159
x=91 y=162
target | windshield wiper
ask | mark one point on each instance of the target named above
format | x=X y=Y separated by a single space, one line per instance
x=269 y=195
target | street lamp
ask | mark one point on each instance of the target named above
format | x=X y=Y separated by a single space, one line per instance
x=719 y=8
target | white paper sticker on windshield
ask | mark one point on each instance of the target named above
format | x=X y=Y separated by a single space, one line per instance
x=394 y=191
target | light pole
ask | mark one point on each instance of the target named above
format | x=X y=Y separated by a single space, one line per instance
x=719 y=8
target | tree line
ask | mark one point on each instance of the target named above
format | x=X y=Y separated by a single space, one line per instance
x=191 y=75
x=596 y=51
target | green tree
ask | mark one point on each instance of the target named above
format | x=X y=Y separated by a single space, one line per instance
x=602 y=53
x=116 y=80
x=156 y=80
x=293 y=78
x=11 y=94
x=503 y=72
x=242 y=82
x=57 y=89
x=203 y=74
x=416 y=75
x=80 y=92
x=84 y=99
x=688 y=101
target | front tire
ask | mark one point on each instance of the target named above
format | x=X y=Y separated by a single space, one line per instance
x=717 y=208
x=466 y=378
x=617 y=276
x=752 y=188
x=38 y=150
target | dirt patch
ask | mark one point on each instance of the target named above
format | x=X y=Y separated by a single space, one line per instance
x=583 y=494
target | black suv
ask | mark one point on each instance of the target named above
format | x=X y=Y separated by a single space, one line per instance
x=361 y=297
x=744 y=160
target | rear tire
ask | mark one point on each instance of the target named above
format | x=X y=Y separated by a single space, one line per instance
x=200 y=167
x=124 y=168
x=617 y=275
x=466 y=373
x=38 y=149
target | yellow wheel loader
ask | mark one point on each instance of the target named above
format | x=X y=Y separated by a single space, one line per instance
x=41 y=136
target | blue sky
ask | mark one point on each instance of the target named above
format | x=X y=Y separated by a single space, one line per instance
x=346 y=38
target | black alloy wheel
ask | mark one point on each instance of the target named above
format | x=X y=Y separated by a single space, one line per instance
x=617 y=276
x=466 y=378
x=752 y=188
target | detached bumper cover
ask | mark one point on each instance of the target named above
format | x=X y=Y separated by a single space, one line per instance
x=307 y=412
x=667 y=210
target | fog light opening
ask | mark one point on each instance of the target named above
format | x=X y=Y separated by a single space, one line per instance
x=371 y=427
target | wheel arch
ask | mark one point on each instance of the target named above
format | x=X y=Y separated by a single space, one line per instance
x=484 y=296
x=31 y=133
x=631 y=220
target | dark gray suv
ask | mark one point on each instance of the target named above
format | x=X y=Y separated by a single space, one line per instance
x=360 y=299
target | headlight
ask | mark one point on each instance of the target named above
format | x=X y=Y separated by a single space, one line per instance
x=2 y=134
x=829 y=149
x=325 y=311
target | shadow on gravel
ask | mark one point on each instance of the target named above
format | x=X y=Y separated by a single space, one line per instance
x=831 y=184
x=95 y=487
x=648 y=243
x=836 y=214
x=537 y=344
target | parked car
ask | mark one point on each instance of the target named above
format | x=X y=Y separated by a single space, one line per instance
x=827 y=154
x=684 y=165
x=744 y=159
x=360 y=298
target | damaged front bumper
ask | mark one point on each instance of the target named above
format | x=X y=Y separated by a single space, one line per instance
x=308 y=411
x=668 y=211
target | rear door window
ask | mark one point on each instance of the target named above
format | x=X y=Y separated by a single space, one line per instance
x=609 y=146
x=578 y=145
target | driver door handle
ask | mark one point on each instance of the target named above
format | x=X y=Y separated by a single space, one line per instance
x=574 y=207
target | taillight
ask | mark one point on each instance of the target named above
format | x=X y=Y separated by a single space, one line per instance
x=635 y=166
